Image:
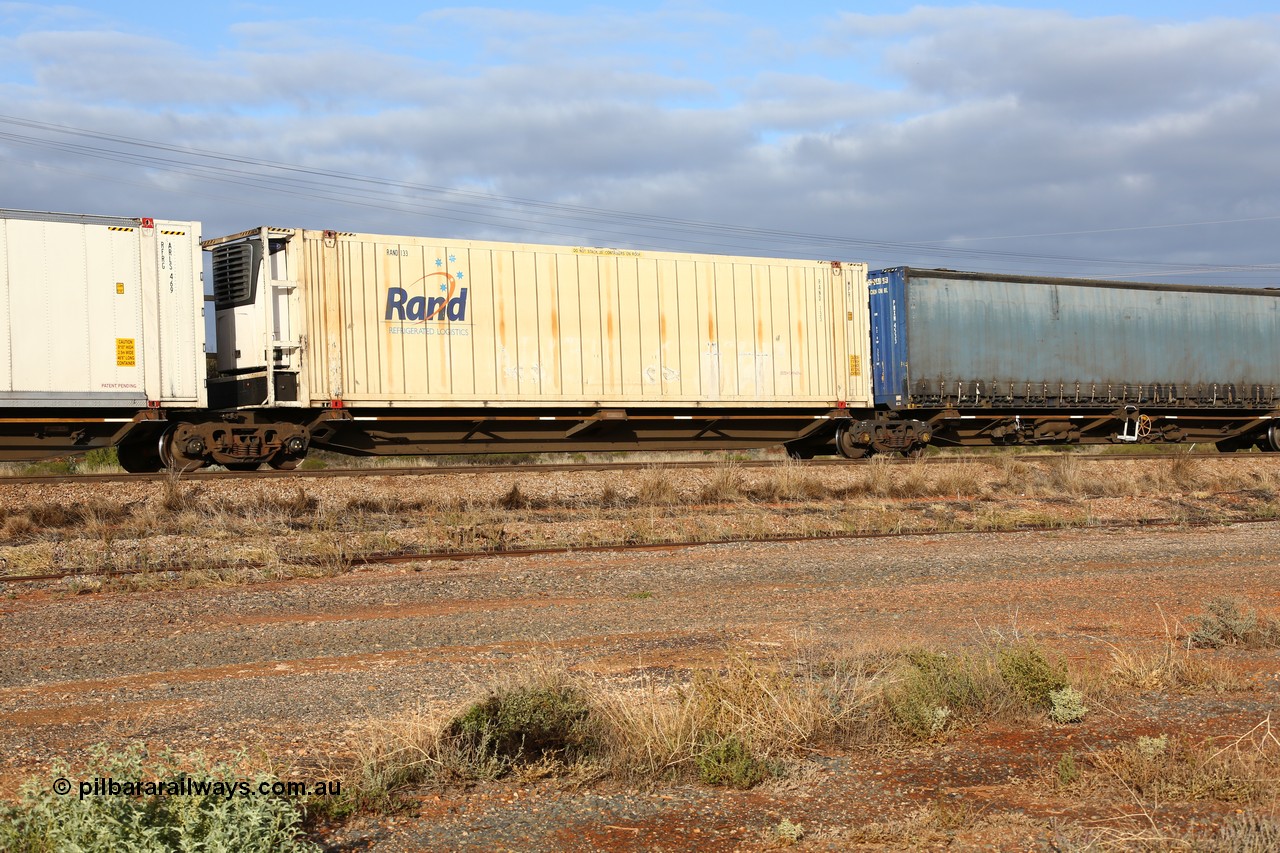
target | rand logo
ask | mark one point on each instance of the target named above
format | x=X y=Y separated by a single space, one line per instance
x=448 y=302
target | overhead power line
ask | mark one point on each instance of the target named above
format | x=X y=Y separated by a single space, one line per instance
x=524 y=214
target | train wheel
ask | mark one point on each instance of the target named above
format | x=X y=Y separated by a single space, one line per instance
x=1272 y=443
x=849 y=450
x=172 y=460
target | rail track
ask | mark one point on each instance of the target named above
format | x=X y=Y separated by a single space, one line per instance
x=401 y=557
x=551 y=467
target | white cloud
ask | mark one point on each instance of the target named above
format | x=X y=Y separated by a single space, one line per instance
x=937 y=123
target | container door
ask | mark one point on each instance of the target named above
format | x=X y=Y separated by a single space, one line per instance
x=857 y=342
x=180 y=311
x=886 y=290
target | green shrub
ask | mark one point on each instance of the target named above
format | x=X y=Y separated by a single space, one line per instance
x=49 y=468
x=519 y=726
x=1067 y=706
x=45 y=821
x=1068 y=771
x=1030 y=674
x=729 y=762
x=100 y=457
x=936 y=691
x=1227 y=623
x=788 y=833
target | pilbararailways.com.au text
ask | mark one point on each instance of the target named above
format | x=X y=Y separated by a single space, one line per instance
x=187 y=787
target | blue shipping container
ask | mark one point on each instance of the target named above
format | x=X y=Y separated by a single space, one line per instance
x=1008 y=337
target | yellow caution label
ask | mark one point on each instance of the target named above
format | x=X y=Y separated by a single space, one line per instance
x=855 y=365
x=126 y=355
x=119 y=287
x=117 y=228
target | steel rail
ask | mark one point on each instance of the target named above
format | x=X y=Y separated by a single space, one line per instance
x=554 y=467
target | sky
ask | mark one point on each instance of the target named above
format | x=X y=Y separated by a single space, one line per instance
x=1117 y=140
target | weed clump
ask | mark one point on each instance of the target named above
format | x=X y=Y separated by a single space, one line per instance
x=1227 y=623
x=515 y=499
x=522 y=725
x=1176 y=768
x=936 y=691
x=157 y=821
x=1031 y=675
x=729 y=763
x=1067 y=706
x=1246 y=833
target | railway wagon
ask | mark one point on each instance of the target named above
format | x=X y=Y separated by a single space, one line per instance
x=101 y=329
x=374 y=344
x=993 y=359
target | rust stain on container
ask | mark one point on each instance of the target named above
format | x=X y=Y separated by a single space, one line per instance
x=693 y=340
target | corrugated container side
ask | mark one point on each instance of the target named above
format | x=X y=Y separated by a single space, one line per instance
x=1042 y=332
x=414 y=321
x=83 y=312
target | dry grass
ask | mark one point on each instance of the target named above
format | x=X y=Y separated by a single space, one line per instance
x=759 y=713
x=936 y=825
x=657 y=487
x=272 y=529
x=1172 y=667
x=1245 y=831
x=734 y=725
x=789 y=480
x=725 y=484
x=774 y=709
x=1238 y=769
x=748 y=719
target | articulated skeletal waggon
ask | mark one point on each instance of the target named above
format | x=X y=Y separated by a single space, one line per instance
x=368 y=344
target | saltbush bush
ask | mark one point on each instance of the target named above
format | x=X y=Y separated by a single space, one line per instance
x=521 y=725
x=44 y=821
x=729 y=762
x=1030 y=674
